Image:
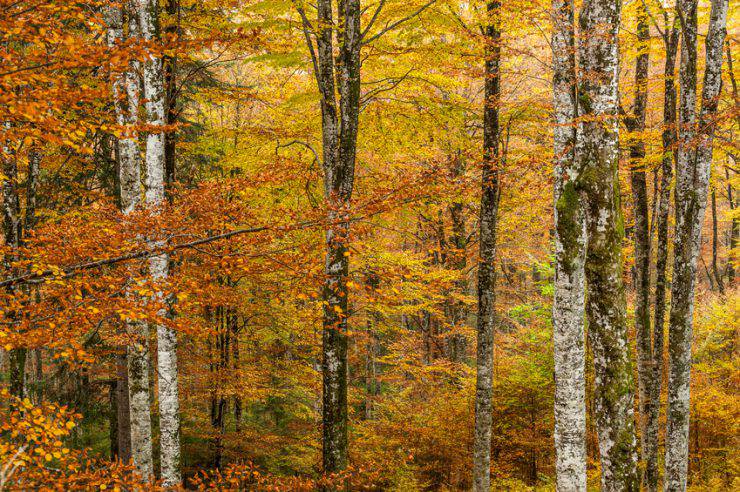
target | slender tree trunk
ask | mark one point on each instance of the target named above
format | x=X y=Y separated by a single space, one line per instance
x=336 y=74
x=692 y=182
x=490 y=193
x=122 y=407
x=735 y=230
x=651 y=431
x=570 y=250
x=457 y=343
x=12 y=230
x=715 y=240
x=649 y=402
x=127 y=107
x=170 y=82
x=169 y=407
x=598 y=156
x=236 y=360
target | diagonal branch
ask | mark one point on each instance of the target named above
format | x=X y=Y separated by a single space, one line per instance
x=393 y=25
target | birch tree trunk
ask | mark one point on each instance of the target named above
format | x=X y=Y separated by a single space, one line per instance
x=598 y=155
x=570 y=250
x=695 y=146
x=490 y=192
x=169 y=408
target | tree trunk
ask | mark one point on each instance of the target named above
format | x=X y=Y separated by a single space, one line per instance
x=12 y=231
x=127 y=107
x=169 y=409
x=122 y=407
x=236 y=359
x=457 y=343
x=735 y=230
x=715 y=269
x=170 y=82
x=692 y=182
x=598 y=156
x=339 y=127
x=649 y=402
x=570 y=250
x=490 y=193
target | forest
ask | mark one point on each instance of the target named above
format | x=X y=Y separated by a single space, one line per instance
x=419 y=245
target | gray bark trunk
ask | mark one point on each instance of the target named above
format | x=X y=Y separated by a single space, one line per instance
x=12 y=231
x=457 y=257
x=692 y=183
x=339 y=138
x=169 y=410
x=649 y=400
x=490 y=193
x=130 y=182
x=598 y=155
x=570 y=250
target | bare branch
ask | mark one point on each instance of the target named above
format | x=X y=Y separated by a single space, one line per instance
x=372 y=20
x=307 y=30
x=393 y=25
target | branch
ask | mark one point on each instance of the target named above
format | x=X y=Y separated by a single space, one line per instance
x=298 y=142
x=148 y=253
x=392 y=26
x=372 y=20
x=307 y=30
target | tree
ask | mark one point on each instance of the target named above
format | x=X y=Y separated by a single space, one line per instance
x=597 y=155
x=169 y=406
x=490 y=194
x=339 y=118
x=129 y=165
x=695 y=145
x=648 y=377
x=570 y=250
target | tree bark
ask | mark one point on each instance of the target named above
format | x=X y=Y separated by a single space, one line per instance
x=170 y=83
x=127 y=107
x=692 y=182
x=649 y=400
x=715 y=269
x=12 y=232
x=597 y=156
x=490 y=193
x=340 y=75
x=457 y=343
x=570 y=250
x=169 y=407
x=735 y=228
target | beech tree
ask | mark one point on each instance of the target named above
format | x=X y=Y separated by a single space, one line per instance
x=126 y=93
x=695 y=145
x=649 y=355
x=591 y=182
x=597 y=154
x=490 y=194
x=169 y=407
x=570 y=249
